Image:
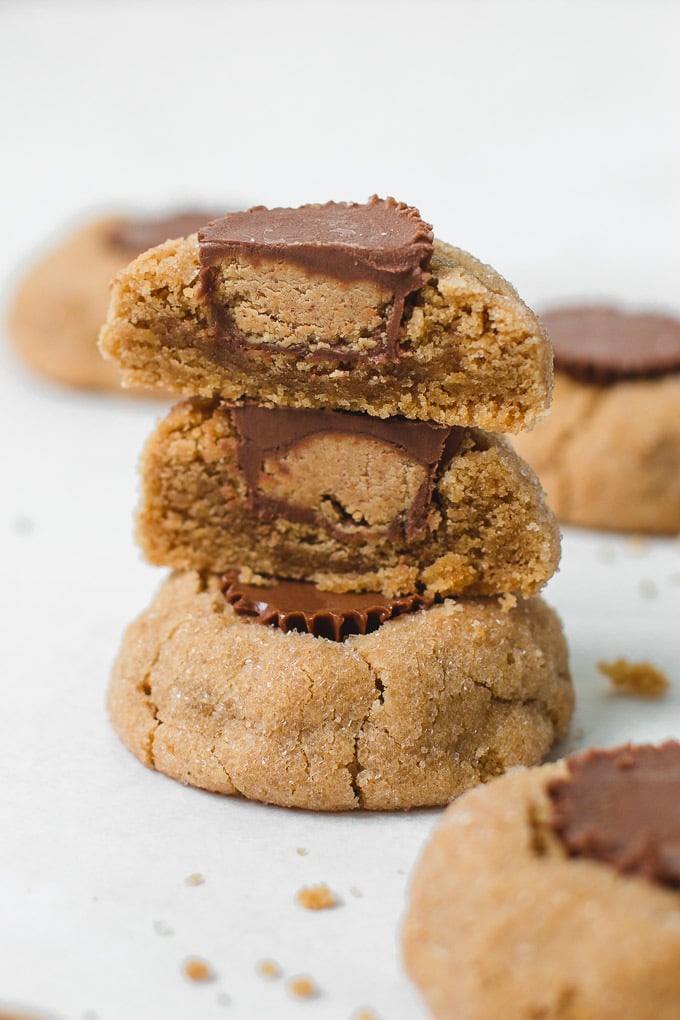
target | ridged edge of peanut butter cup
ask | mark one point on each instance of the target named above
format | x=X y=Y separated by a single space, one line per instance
x=303 y=607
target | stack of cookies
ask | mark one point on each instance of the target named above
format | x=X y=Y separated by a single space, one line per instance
x=353 y=616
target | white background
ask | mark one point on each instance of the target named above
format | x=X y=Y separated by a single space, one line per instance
x=544 y=138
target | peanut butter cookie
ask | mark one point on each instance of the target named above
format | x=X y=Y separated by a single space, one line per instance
x=345 y=500
x=608 y=454
x=554 y=892
x=340 y=306
x=410 y=713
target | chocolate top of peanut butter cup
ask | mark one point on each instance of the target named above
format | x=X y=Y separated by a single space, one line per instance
x=602 y=345
x=267 y=430
x=300 y=606
x=622 y=807
x=136 y=235
x=381 y=238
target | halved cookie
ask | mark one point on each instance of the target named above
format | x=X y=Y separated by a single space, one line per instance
x=341 y=306
x=345 y=500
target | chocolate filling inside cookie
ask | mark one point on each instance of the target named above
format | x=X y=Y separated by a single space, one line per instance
x=602 y=345
x=297 y=605
x=623 y=807
x=326 y=281
x=350 y=473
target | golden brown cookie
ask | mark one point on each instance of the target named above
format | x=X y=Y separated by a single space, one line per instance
x=411 y=713
x=608 y=454
x=345 y=500
x=61 y=304
x=552 y=893
x=342 y=306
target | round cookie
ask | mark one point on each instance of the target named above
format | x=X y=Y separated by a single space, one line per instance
x=61 y=304
x=552 y=893
x=608 y=454
x=412 y=714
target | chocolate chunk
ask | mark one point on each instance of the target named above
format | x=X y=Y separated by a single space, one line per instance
x=267 y=432
x=383 y=241
x=602 y=345
x=136 y=235
x=297 y=605
x=623 y=807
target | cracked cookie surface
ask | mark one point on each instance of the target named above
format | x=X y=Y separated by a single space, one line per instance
x=335 y=498
x=409 y=715
x=502 y=922
x=609 y=456
x=470 y=352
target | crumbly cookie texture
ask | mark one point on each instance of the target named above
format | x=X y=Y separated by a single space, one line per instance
x=469 y=351
x=609 y=456
x=60 y=306
x=409 y=715
x=487 y=532
x=501 y=922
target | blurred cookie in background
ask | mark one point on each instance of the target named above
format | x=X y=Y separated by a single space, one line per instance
x=551 y=893
x=60 y=305
x=608 y=453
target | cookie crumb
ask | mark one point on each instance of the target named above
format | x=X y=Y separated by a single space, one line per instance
x=357 y=893
x=317 y=897
x=196 y=969
x=648 y=589
x=269 y=970
x=161 y=928
x=302 y=851
x=507 y=602
x=637 y=543
x=303 y=987
x=638 y=678
x=195 y=879
x=365 y=1013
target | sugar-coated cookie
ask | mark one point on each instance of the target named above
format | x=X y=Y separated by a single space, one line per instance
x=408 y=714
x=608 y=453
x=61 y=303
x=554 y=893
x=340 y=306
x=345 y=500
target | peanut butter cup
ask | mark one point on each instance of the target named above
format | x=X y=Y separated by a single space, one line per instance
x=266 y=434
x=622 y=806
x=298 y=605
x=603 y=345
x=383 y=243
